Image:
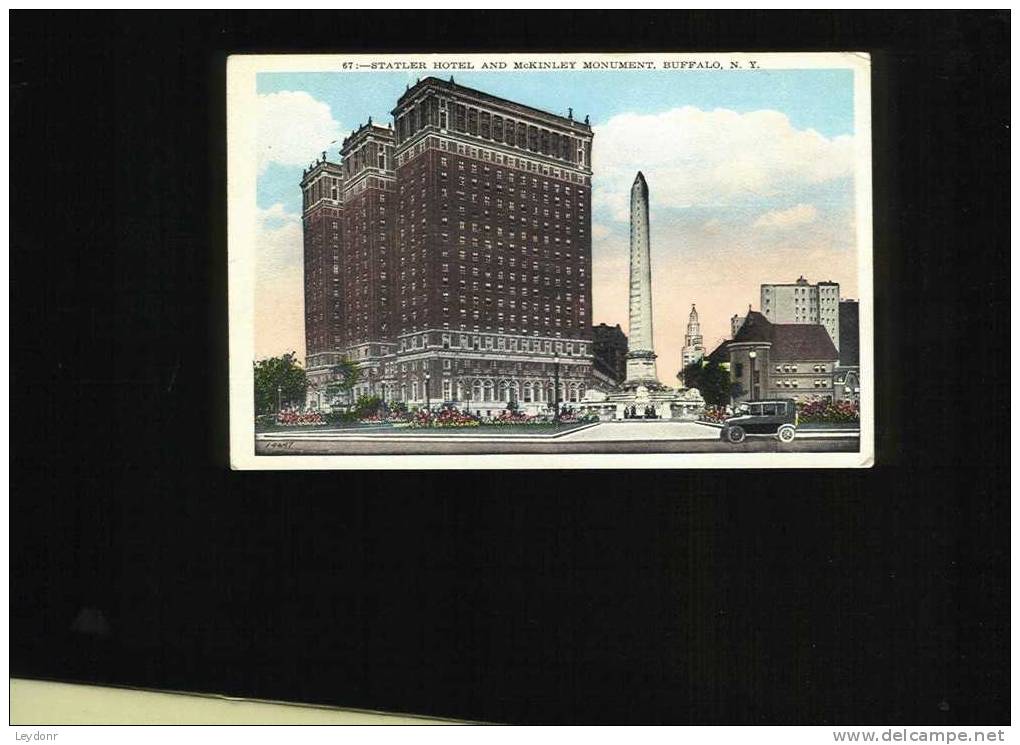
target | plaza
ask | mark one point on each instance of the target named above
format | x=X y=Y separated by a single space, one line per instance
x=632 y=436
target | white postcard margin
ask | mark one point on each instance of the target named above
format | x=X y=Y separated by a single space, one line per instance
x=242 y=71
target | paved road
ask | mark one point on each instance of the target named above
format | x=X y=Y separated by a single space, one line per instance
x=640 y=431
x=606 y=437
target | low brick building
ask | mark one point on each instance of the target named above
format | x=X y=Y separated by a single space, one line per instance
x=779 y=360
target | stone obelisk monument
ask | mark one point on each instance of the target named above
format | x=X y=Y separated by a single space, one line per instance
x=642 y=396
x=641 y=355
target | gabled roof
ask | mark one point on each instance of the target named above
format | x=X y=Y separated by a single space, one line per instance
x=756 y=327
x=802 y=341
x=790 y=341
x=721 y=353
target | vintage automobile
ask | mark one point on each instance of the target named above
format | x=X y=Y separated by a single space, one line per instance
x=773 y=418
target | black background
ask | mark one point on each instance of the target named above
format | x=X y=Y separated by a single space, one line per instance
x=810 y=597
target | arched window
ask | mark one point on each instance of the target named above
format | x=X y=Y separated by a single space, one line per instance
x=490 y=394
x=476 y=390
x=414 y=390
x=528 y=394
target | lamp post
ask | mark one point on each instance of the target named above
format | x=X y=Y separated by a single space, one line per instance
x=556 y=394
x=752 y=354
x=279 y=399
x=428 y=403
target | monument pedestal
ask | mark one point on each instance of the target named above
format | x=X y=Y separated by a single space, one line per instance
x=668 y=403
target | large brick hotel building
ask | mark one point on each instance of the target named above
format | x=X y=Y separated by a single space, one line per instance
x=452 y=248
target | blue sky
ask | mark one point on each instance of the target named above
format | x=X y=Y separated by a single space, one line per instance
x=821 y=100
x=750 y=172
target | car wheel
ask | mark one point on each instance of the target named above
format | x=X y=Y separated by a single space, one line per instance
x=786 y=433
x=735 y=434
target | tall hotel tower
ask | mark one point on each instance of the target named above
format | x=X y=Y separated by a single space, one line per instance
x=465 y=272
x=323 y=223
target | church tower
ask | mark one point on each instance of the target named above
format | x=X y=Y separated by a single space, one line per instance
x=694 y=350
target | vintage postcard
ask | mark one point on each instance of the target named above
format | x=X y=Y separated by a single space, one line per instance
x=550 y=261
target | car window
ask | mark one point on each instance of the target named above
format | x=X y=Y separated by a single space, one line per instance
x=768 y=409
x=780 y=409
x=755 y=409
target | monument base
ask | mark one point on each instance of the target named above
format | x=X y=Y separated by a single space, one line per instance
x=641 y=370
x=643 y=402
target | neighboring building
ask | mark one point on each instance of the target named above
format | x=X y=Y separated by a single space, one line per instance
x=323 y=222
x=803 y=302
x=610 y=349
x=848 y=374
x=466 y=261
x=735 y=323
x=694 y=348
x=770 y=360
x=367 y=256
x=849 y=334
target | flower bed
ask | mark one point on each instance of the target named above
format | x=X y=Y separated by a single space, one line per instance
x=827 y=412
x=297 y=418
x=714 y=414
x=507 y=417
x=449 y=417
x=572 y=417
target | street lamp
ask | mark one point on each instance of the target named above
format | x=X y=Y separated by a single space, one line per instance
x=279 y=399
x=556 y=395
x=428 y=403
x=752 y=354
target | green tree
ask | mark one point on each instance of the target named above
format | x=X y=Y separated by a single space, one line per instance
x=368 y=405
x=690 y=376
x=279 y=381
x=343 y=377
x=715 y=384
x=711 y=380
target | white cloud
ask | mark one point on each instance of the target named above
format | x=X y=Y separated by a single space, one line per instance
x=294 y=128
x=695 y=158
x=279 y=283
x=279 y=241
x=799 y=214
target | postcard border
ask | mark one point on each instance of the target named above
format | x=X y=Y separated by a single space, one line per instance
x=241 y=208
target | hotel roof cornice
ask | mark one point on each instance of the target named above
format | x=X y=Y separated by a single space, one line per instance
x=581 y=128
x=366 y=130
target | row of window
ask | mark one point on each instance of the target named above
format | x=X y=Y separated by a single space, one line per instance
x=796 y=368
x=322 y=188
x=481 y=391
x=522 y=164
x=796 y=383
x=480 y=342
x=490 y=126
x=370 y=154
